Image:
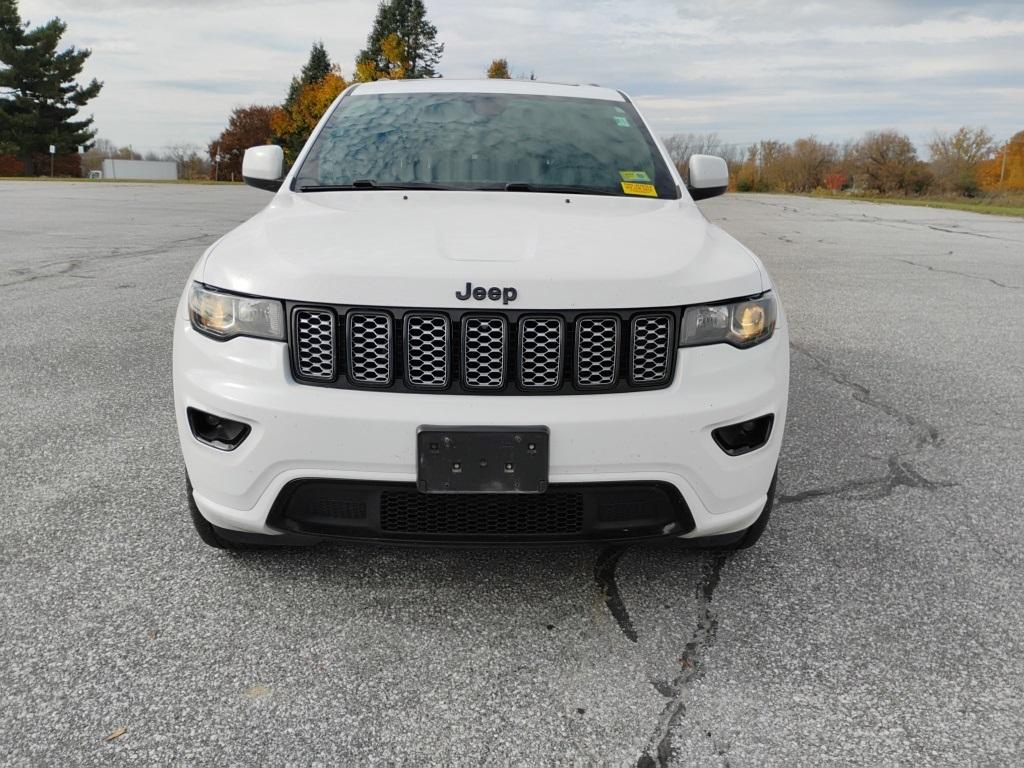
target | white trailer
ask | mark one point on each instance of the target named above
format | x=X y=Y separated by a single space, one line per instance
x=140 y=170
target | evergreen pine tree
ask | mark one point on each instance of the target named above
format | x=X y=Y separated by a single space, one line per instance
x=39 y=97
x=407 y=19
x=318 y=66
x=314 y=71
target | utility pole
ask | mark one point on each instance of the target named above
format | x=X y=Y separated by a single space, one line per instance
x=1002 y=171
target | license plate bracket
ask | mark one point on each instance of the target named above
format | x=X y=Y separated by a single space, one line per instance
x=482 y=459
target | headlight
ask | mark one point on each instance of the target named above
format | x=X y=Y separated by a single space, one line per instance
x=742 y=323
x=225 y=315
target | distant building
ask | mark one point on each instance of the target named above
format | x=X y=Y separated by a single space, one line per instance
x=140 y=170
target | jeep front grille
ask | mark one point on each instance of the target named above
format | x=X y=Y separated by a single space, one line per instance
x=651 y=349
x=314 y=337
x=484 y=348
x=465 y=352
x=540 y=352
x=370 y=348
x=597 y=351
x=427 y=349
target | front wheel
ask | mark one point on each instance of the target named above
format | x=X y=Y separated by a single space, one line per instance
x=746 y=538
x=222 y=538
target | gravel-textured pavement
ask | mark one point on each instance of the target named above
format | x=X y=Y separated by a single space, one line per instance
x=879 y=621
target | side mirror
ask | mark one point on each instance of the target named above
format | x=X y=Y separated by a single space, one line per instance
x=262 y=167
x=709 y=176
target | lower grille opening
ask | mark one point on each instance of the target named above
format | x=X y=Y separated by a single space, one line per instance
x=555 y=512
x=567 y=512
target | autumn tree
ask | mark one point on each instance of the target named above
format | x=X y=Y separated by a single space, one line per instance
x=406 y=21
x=1005 y=171
x=311 y=92
x=292 y=125
x=247 y=127
x=499 y=70
x=395 y=66
x=809 y=162
x=956 y=157
x=886 y=162
x=39 y=95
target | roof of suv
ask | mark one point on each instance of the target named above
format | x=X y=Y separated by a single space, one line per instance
x=447 y=85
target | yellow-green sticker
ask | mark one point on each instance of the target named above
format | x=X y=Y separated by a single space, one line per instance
x=634 y=176
x=647 y=190
x=621 y=121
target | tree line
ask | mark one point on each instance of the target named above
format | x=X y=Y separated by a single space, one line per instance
x=965 y=162
x=40 y=99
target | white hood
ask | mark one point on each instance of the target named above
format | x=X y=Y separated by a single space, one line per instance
x=418 y=248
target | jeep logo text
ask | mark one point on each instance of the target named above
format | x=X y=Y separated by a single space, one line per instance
x=480 y=293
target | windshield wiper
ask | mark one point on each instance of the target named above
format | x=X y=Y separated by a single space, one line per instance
x=560 y=189
x=370 y=184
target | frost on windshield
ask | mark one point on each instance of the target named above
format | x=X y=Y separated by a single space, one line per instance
x=482 y=140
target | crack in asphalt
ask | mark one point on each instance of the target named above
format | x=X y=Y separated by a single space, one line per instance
x=961 y=274
x=67 y=266
x=924 y=433
x=971 y=234
x=900 y=473
x=604 y=576
x=691 y=663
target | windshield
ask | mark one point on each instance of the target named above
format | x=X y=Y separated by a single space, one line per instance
x=486 y=141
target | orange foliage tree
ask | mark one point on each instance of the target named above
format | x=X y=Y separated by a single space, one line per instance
x=395 y=63
x=247 y=127
x=1005 y=171
x=499 y=70
x=293 y=124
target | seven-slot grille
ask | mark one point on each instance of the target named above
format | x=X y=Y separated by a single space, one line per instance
x=479 y=353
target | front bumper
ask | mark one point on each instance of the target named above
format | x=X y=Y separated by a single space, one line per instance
x=301 y=432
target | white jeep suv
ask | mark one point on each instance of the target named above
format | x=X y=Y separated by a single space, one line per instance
x=480 y=312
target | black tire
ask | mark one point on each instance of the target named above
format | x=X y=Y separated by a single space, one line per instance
x=746 y=538
x=221 y=538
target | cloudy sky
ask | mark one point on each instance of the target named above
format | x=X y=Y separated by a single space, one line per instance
x=746 y=69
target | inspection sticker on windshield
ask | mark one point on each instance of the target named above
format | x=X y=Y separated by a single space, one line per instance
x=622 y=120
x=634 y=176
x=631 y=188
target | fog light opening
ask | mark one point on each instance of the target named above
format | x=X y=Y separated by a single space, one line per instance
x=745 y=436
x=217 y=431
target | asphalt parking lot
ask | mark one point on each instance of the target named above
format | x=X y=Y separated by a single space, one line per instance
x=878 y=622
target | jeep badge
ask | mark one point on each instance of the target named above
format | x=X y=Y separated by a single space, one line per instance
x=480 y=293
